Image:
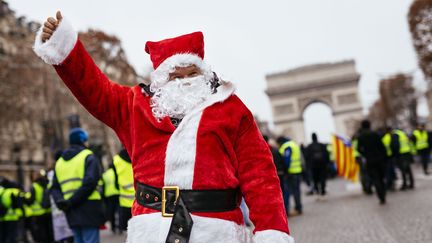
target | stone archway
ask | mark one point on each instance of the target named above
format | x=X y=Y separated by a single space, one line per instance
x=334 y=84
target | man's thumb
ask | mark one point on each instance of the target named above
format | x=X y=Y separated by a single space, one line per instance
x=59 y=16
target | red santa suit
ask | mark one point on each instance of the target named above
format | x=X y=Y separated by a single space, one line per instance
x=217 y=145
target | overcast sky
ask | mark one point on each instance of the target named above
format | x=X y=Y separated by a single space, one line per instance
x=245 y=40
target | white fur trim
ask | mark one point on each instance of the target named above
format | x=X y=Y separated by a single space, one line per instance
x=272 y=236
x=161 y=74
x=153 y=228
x=55 y=50
x=181 y=148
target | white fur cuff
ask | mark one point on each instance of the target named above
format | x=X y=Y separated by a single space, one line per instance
x=55 y=50
x=272 y=236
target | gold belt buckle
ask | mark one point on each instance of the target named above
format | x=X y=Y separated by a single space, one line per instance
x=164 y=200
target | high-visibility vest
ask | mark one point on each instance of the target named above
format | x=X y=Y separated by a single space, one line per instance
x=71 y=173
x=295 y=165
x=36 y=207
x=109 y=180
x=125 y=181
x=404 y=142
x=330 y=151
x=12 y=214
x=421 y=139
x=386 y=140
x=355 y=148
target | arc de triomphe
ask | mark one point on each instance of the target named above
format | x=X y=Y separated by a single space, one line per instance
x=334 y=84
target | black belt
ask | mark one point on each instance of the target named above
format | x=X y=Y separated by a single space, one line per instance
x=178 y=204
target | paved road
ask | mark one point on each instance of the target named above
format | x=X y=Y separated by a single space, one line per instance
x=348 y=216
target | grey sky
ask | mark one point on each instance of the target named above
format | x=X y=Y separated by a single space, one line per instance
x=245 y=40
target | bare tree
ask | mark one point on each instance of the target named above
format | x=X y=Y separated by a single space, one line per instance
x=397 y=104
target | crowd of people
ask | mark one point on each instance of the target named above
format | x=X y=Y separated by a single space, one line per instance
x=379 y=154
x=71 y=202
x=296 y=163
x=382 y=153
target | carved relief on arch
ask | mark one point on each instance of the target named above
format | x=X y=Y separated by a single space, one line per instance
x=304 y=102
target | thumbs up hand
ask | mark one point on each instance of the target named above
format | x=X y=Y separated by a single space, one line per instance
x=50 y=26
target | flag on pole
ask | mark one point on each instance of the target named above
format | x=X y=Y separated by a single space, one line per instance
x=346 y=164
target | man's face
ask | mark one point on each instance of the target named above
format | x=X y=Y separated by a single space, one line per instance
x=184 y=72
x=186 y=88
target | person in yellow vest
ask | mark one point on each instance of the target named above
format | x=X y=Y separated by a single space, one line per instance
x=74 y=188
x=420 y=139
x=391 y=163
x=292 y=157
x=402 y=151
x=123 y=167
x=111 y=197
x=11 y=221
x=41 y=221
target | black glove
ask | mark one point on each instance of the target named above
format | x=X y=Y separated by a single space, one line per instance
x=63 y=205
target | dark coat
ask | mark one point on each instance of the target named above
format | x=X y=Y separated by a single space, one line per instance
x=278 y=161
x=317 y=155
x=83 y=212
x=371 y=147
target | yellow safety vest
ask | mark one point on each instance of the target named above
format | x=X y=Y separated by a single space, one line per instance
x=295 y=165
x=71 y=173
x=125 y=181
x=355 y=148
x=12 y=214
x=421 y=139
x=386 y=140
x=404 y=142
x=37 y=209
x=110 y=188
x=330 y=151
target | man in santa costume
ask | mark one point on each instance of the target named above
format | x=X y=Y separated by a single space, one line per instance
x=195 y=147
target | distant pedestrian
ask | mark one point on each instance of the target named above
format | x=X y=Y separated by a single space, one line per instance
x=364 y=175
x=74 y=188
x=421 y=142
x=123 y=167
x=319 y=159
x=292 y=158
x=41 y=220
x=278 y=160
x=403 y=153
x=111 y=197
x=391 y=163
x=374 y=152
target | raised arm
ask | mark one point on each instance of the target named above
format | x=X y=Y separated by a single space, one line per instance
x=57 y=44
x=260 y=185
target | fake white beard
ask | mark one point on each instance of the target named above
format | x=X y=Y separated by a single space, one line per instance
x=178 y=97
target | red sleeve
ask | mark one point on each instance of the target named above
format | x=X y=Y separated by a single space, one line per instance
x=104 y=99
x=258 y=179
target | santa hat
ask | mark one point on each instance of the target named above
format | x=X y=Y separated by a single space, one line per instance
x=181 y=51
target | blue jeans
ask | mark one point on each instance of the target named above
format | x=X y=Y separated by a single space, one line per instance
x=292 y=187
x=86 y=235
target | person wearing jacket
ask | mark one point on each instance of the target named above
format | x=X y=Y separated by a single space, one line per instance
x=124 y=181
x=318 y=157
x=39 y=203
x=190 y=138
x=374 y=152
x=111 y=197
x=421 y=139
x=291 y=154
x=74 y=188
x=403 y=153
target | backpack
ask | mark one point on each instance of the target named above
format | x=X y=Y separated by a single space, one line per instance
x=316 y=152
